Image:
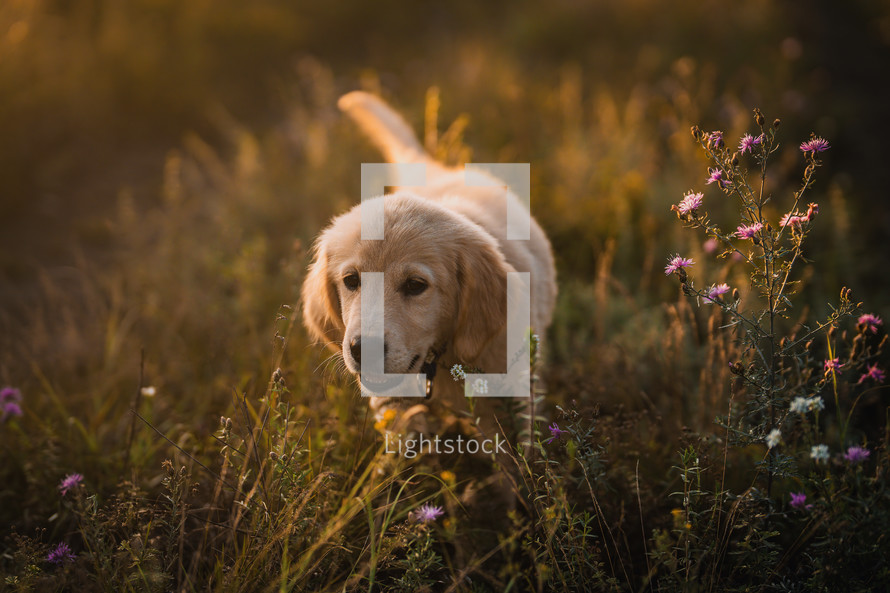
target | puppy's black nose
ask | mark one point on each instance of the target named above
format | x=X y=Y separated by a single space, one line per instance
x=355 y=348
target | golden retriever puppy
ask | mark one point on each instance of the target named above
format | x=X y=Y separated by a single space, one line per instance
x=445 y=258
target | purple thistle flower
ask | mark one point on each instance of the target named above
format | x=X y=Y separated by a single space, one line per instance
x=425 y=513
x=710 y=246
x=60 y=555
x=689 y=204
x=70 y=482
x=11 y=409
x=815 y=144
x=716 y=138
x=869 y=322
x=799 y=501
x=856 y=455
x=715 y=291
x=676 y=264
x=873 y=373
x=555 y=432
x=716 y=176
x=10 y=394
x=750 y=231
x=833 y=364
x=749 y=142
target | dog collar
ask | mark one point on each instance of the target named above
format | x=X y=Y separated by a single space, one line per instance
x=429 y=367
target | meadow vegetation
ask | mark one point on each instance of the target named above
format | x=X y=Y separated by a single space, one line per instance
x=168 y=426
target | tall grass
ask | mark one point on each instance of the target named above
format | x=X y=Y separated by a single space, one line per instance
x=179 y=304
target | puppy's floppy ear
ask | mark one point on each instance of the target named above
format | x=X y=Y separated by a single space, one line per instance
x=482 y=299
x=321 y=305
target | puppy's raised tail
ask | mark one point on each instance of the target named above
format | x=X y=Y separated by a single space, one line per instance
x=385 y=127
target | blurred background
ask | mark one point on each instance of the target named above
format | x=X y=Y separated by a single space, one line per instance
x=166 y=163
x=97 y=93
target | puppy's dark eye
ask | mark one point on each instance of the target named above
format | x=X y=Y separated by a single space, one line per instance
x=414 y=286
x=352 y=281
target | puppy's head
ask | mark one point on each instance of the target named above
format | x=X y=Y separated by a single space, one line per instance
x=444 y=285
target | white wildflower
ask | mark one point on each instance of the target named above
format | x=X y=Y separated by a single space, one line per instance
x=799 y=405
x=815 y=403
x=774 y=438
x=819 y=453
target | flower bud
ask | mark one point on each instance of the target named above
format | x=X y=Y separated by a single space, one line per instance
x=735 y=159
x=758 y=117
x=696 y=132
x=776 y=123
x=735 y=294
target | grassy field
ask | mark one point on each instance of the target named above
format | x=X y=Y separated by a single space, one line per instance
x=168 y=426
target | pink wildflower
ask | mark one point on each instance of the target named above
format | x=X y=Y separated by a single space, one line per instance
x=689 y=204
x=426 y=513
x=869 y=322
x=715 y=291
x=750 y=231
x=833 y=364
x=60 y=555
x=873 y=373
x=70 y=482
x=799 y=501
x=555 y=432
x=792 y=219
x=716 y=176
x=10 y=394
x=856 y=455
x=815 y=144
x=749 y=142
x=676 y=264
